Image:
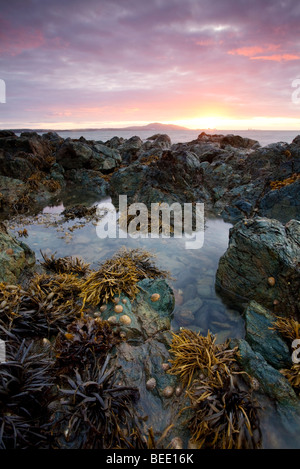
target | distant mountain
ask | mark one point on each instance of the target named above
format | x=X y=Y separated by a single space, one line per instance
x=155 y=127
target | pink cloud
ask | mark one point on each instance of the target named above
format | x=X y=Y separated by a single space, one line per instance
x=16 y=40
x=251 y=51
x=277 y=57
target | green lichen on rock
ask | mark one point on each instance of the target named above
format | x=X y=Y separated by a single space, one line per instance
x=15 y=257
x=262 y=337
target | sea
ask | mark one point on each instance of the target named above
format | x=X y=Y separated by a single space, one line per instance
x=264 y=137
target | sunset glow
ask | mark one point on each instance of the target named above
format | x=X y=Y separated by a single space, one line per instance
x=114 y=63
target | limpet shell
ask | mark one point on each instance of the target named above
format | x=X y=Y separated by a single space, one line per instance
x=124 y=301
x=271 y=281
x=112 y=320
x=151 y=384
x=155 y=297
x=118 y=309
x=116 y=300
x=168 y=391
x=126 y=320
x=178 y=391
x=103 y=308
x=165 y=366
x=177 y=443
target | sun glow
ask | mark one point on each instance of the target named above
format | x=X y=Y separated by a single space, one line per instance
x=228 y=123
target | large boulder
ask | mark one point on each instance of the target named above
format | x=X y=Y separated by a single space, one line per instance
x=89 y=181
x=262 y=264
x=171 y=176
x=238 y=141
x=79 y=155
x=28 y=142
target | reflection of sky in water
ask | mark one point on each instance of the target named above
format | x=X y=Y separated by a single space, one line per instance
x=198 y=307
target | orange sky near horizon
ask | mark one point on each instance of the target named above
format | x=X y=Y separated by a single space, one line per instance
x=227 y=64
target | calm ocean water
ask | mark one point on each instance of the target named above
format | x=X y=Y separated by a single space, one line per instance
x=265 y=137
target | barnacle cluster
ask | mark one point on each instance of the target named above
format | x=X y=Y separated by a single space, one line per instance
x=279 y=184
x=224 y=414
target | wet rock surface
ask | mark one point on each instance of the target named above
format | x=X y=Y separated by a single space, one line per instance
x=140 y=358
x=262 y=264
x=230 y=174
x=15 y=257
x=255 y=188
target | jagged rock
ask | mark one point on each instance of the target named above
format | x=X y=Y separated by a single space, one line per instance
x=238 y=142
x=263 y=338
x=282 y=204
x=258 y=249
x=74 y=155
x=14 y=167
x=81 y=155
x=15 y=257
x=28 y=142
x=88 y=180
x=130 y=149
x=159 y=140
x=272 y=382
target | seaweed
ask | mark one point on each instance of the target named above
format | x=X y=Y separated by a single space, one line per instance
x=275 y=185
x=224 y=414
x=120 y=274
x=95 y=408
x=196 y=353
x=79 y=211
x=86 y=340
x=62 y=265
x=25 y=384
x=50 y=303
x=290 y=330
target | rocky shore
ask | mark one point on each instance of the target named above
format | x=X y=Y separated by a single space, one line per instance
x=256 y=189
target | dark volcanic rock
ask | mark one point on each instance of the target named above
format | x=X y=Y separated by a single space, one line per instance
x=238 y=142
x=88 y=181
x=80 y=155
x=282 y=204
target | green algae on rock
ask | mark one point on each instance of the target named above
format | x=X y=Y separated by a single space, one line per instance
x=15 y=257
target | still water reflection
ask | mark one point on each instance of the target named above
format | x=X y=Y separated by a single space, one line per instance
x=197 y=306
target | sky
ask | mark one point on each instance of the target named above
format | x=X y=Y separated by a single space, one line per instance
x=224 y=64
